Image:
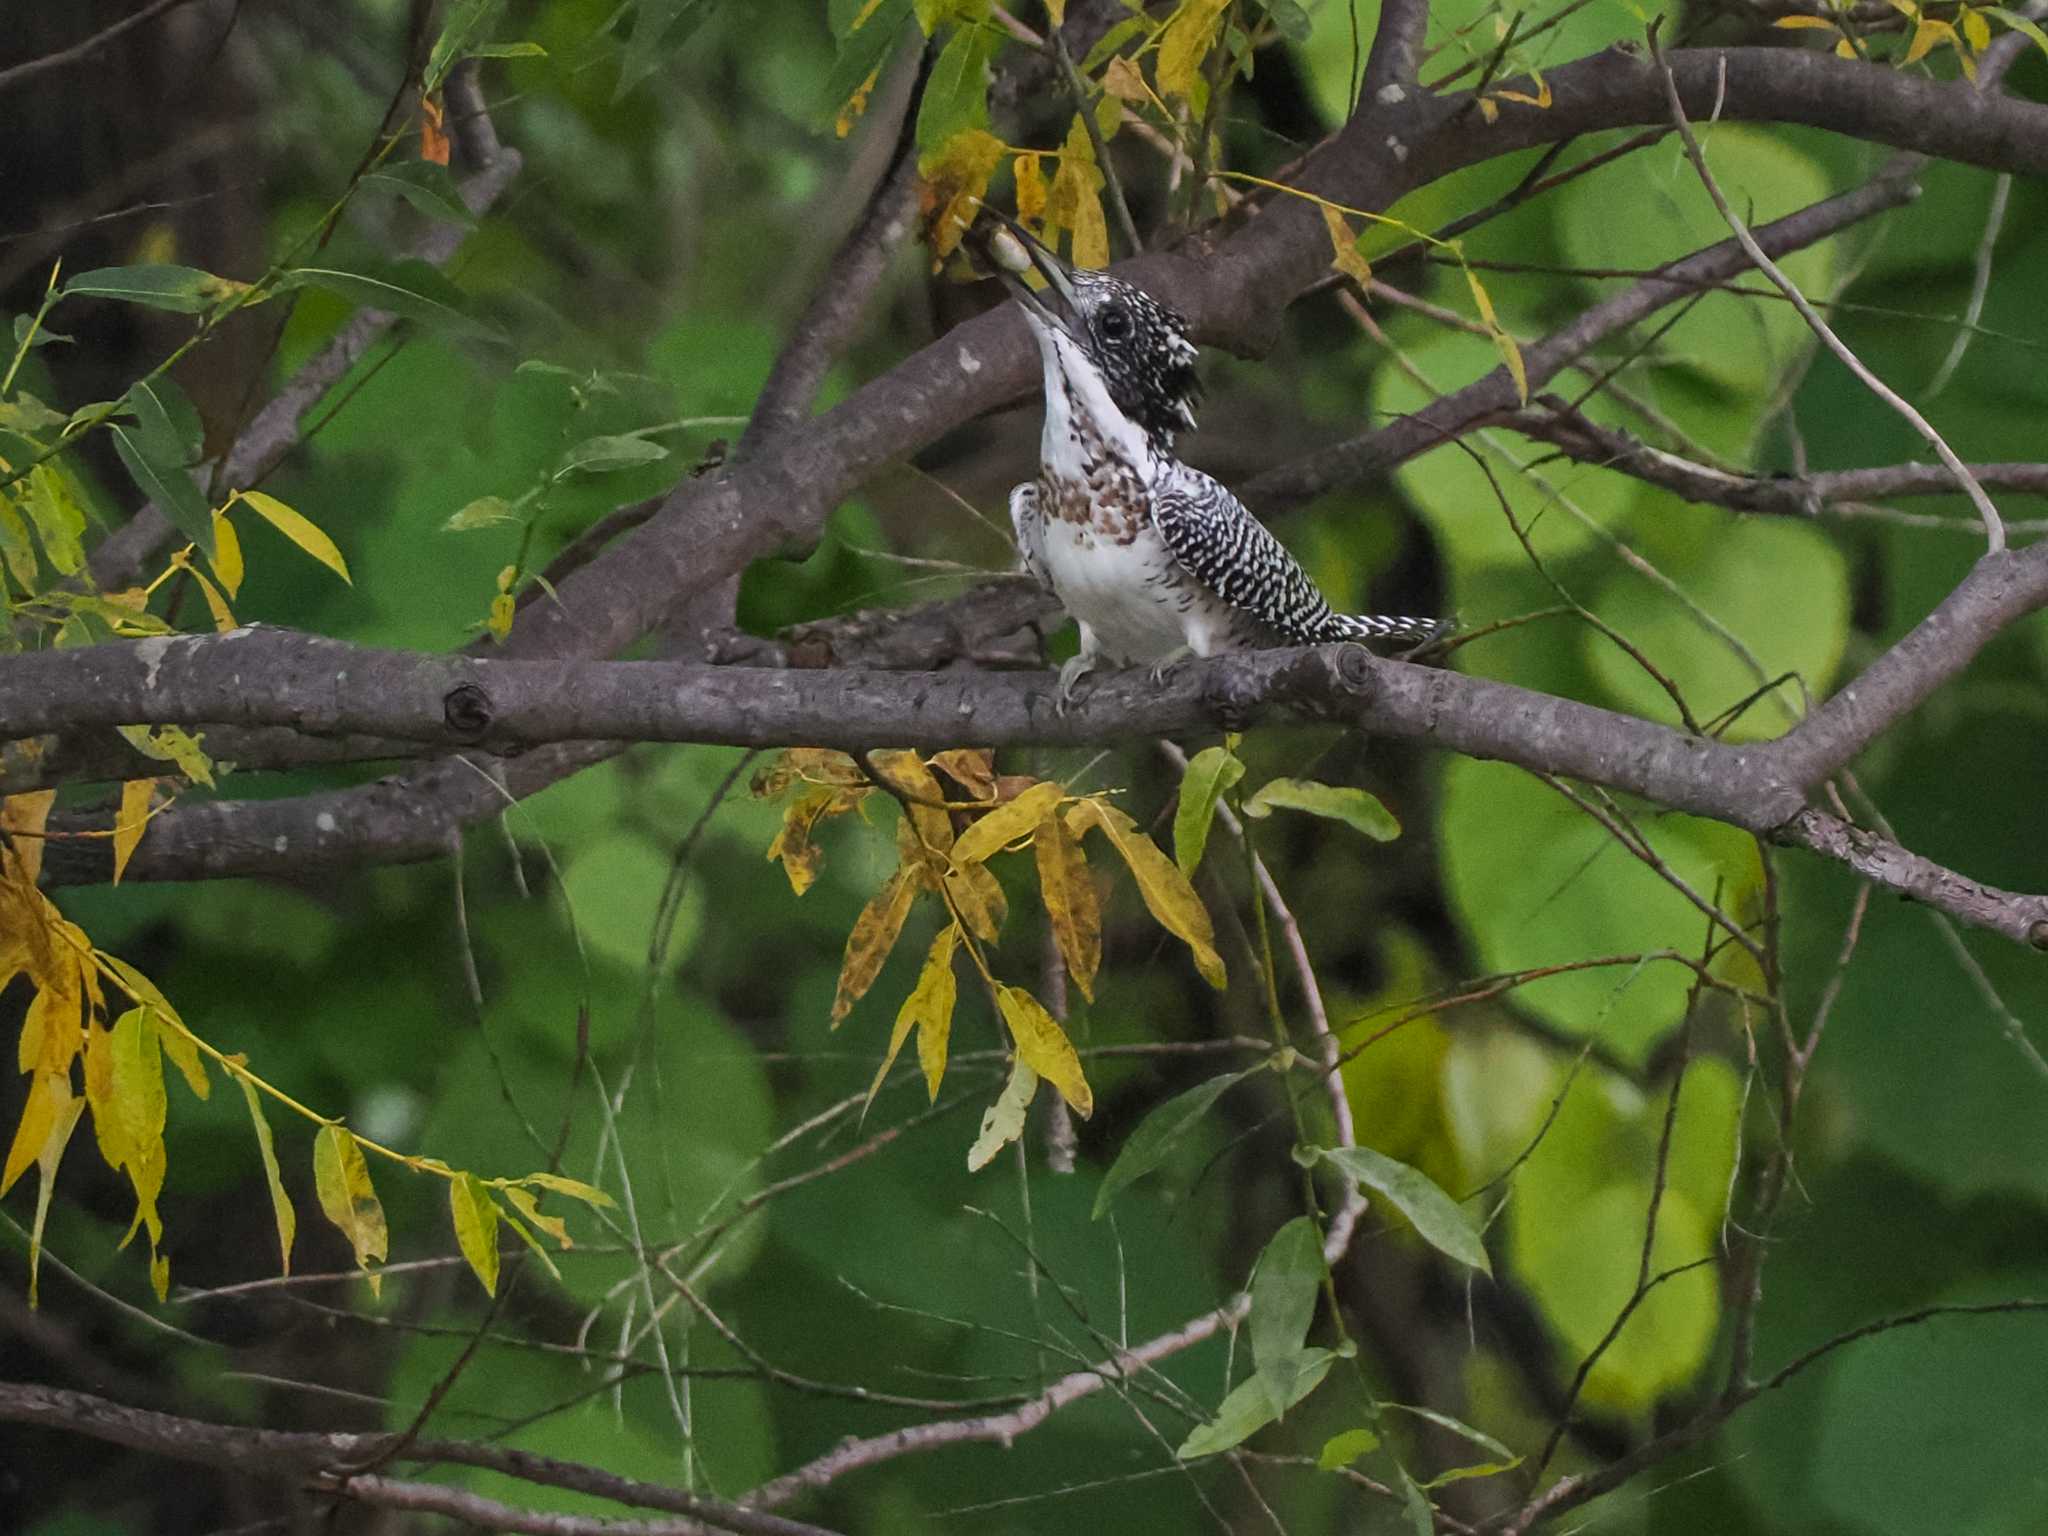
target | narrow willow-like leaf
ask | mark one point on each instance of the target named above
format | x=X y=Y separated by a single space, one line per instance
x=1354 y=807
x=130 y=821
x=428 y=187
x=928 y=1010
x=1440 y=1220
x=1210 y=773
x=1003 y=1121
x=410 y=289
x=597 y=455
x=476 y=1227
x=1044 y=1046
x=342 y=1180
x=1343 y=1449
x=1005 y=824
x=156 y=285
x=872 y=938
x=281 y=1210
x=1168 y=896
x=1160 y=1132
x=299 y=528
x=167 y=484
x=575 y=1189
x=1284 y=1291
x=1070 y=903
x=1252 y=1403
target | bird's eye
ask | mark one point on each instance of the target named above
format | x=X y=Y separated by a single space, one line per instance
x=1115 y=323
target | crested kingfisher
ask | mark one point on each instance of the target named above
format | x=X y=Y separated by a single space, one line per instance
x=1154 y=559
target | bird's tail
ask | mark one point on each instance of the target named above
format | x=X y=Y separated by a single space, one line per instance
x=1394 y=629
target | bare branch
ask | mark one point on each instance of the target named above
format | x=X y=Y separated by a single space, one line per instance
x=77 y=52
x=325 y=1459
x=1994 y=527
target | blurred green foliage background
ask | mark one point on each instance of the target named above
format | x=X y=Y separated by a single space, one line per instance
x=650 y=260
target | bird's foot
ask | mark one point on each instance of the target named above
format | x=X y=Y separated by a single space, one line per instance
x=1165 y=664
x=1071 y=674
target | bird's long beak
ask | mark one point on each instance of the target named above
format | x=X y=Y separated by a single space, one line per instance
x=1015 y=250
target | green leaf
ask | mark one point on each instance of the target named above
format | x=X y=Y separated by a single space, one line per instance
x=1251 y=1405
x=466 y=20
x=595 y=455
x=56 y=505
x=1284 y=1289
x=655 y=38
x=1459 y=1427
x=524 y=49
x=167 y=483
x=484 y=512
x=1110 y=41
x=28 y=415
x=27 y=331
x=1437 y=1217
x=1421 y=1515
x=476 y=1227
x=1160 y=1132
x=1293 y=22
x=861 y=52
x=280 y=1203
x=1354 y=807
x=166 y=417
x=411 y=289
x=1341 y=1450
x=1210 y=772
x=956 y=96
x=575 y=1189
x=428 y=187
x=155 y=285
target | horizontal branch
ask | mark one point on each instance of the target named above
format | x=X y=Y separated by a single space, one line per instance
x=264 y=678
x=326 y=1460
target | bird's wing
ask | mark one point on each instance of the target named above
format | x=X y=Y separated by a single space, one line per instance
x=1028 y=522
x=1226 y=549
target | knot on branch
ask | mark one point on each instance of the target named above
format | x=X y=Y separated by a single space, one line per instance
x=2038 y=936
x=468 y=711
x=1232 y=697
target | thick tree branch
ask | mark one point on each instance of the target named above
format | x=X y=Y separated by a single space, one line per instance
x=266 y=678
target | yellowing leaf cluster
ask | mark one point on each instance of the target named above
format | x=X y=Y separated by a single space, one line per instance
x=943 y=849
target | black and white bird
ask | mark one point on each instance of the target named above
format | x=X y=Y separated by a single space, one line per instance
x=1154 y=559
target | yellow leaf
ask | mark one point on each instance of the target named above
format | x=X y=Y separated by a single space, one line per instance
x=801 y=858
x=1044 y=1047
x=1003 y=1121
x=281 y=1210
x=1344 y=243
x=227 y=553
x=972 y=768
x=1077 y=180
x=978 y=899
x=1030 y=189
x=1057 y=11
x=1844 y=49
x=1928 y=35
x=907 y=773
x=299 y=528
x=184 y=1053
x=138 y=1104
x=160 y=1274
x=223 y=619
x=142 y=989
x=47 y=1102
x=47 y=1159
x=136 y=796
x=499 y=624
x=172 y=744
x=1183 y=43
x=1070 y=904
x=1168 y=896
x=874 y=935
x=1091 y=233
x=476 y=1227
x=1794 y=23
x=52 y=1031
x=854 y=105
x=928 y=1010
x=575 y=1189
x=956 y=177
x=1503 y=343
x=342 y=1180
x=529 y=1206
x=1977 y=30
x=1489 y=109
x=22 y=818
x=1005 y=824
x=1123 y=81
